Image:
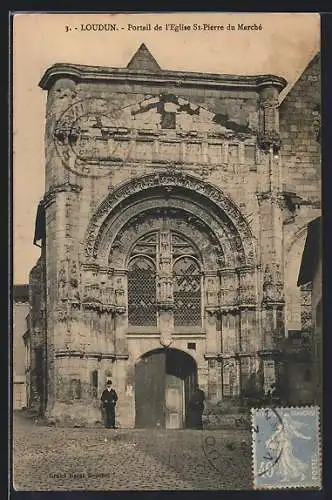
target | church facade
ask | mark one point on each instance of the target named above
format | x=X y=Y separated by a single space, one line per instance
x=167 y=222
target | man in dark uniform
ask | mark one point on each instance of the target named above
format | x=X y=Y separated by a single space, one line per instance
x=109 y=398
x=196 y=408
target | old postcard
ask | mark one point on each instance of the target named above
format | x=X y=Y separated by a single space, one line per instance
x=167 y=275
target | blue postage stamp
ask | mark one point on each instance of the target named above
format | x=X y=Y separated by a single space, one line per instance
x=286 y=447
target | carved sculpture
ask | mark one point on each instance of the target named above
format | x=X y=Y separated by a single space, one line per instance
x=62 y=281
x=273 y=284
x=211 y=292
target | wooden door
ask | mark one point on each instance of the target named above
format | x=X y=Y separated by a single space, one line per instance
x=150 y=391
x=190 y=382
x=174 y=397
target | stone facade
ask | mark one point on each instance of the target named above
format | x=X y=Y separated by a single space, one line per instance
x=167 y=221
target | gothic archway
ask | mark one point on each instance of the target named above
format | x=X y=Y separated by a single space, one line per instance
x=165 y=253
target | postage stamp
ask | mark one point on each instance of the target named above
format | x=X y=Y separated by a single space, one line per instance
x=286 y=448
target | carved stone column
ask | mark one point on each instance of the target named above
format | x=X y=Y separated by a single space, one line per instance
x=165 y=289
x=121 y=311
x=306 y=309
x=271 y=231
x=269 y=119
x=228 y=289
x=211 y=289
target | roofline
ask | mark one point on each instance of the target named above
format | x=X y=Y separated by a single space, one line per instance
x=312 y=60
x=81 y=73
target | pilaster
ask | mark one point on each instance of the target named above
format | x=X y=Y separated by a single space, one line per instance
x=211 y=288
x=270 y=200
x=121 y=311
x=165 y=297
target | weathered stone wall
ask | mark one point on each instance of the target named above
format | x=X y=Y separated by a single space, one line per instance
x=299 y=131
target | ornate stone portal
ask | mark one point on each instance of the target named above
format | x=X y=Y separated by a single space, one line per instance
x=150 y=241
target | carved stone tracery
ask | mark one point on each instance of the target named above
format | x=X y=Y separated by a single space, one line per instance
x=178 y=220
x=231 y=221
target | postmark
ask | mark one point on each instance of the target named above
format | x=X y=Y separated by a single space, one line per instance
x=88 y=136
x=286 y=449
x=226 y=438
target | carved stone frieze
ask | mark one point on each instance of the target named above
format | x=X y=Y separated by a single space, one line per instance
x=97 y=288
x=98 y=132
x=212 y=286
x=228 y=289
x=247 y=291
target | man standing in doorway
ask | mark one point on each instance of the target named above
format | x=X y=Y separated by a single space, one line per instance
x=109 y=398
x=196 y=408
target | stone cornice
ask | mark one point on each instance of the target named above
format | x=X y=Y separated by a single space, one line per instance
x=67 y=353
x=81 y=73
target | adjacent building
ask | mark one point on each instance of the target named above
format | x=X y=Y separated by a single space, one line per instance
x=20 y=325
x=310 y=275
x=174 y=204
x=301 y=166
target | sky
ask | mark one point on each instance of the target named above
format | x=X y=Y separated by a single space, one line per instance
x=284 y=46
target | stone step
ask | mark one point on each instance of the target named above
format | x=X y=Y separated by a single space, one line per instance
x=230 y=421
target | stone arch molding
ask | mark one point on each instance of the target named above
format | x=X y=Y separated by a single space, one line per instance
x=202 y=200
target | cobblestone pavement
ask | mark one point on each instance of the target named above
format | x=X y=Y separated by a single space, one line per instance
x=50 y=458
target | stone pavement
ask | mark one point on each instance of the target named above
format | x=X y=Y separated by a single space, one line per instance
x=54 y=458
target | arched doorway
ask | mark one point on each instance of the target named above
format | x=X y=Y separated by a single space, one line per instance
x=164 y=381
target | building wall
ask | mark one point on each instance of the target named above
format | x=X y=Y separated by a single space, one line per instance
x=299 y=126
